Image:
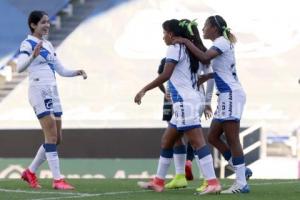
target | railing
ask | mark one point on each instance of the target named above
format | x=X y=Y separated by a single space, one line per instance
x=259 y=143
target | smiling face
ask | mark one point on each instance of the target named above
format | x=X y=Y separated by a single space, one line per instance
x=42 y=27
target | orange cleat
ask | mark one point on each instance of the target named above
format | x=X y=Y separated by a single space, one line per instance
x=61 y=184
x=31 y=179
x=188 y=171
x=156 y=184
x=213 y=187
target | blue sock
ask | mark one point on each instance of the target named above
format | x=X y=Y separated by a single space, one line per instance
x=227 y=155
x=190 y=152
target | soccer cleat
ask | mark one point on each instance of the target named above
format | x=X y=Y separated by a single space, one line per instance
x=236 y=188
x=203 y=186
x=156 y=184
x=213 y=187
x=61 y=184
x=188 y=171
x=248 y=173
x=179 y=181
x=31 y=179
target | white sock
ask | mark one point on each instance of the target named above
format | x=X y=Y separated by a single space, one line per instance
x=240 y=174
x=53 y=162
x=198 y=165
x=38 y=160
x=163 y=166
x=179 y=162
x=206 y=167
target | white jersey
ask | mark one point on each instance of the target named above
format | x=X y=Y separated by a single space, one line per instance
x=43 y=94
x=182 y=84
x=183 y=89
x=41 y=69
x=224 y=66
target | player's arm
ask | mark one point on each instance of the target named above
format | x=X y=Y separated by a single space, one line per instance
x=209 y=93
x=163 y=77
x=62 y=71
x=209 y=85
x=25 y=57
x=162 y=88
x=204 y=57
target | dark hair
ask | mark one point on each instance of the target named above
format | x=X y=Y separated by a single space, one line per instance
x=173 y=27
x=34 y=17
x=219 y=22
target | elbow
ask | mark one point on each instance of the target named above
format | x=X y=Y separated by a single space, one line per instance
x=19 y=69
x=206 y=60
x=166 y=77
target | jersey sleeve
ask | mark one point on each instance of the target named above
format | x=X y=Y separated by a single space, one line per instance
x=161 y=66
x=25 y=48
x=173 y=53
x=221 y=45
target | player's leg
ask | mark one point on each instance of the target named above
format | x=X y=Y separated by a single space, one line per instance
x=179 y=154
x=233 y=108
x=166 y=154
x=188 y=164
x=41 y=108
x=204 y=159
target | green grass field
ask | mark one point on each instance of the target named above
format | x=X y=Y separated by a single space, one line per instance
x=89 y=189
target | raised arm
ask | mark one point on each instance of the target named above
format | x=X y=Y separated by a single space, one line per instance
x=204 y=57
x=26 y=55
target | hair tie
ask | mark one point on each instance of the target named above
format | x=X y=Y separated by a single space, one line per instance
x=189 y=26
x=225 y=30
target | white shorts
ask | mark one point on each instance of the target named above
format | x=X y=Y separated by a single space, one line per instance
x=45 y=100
x=186 y=115
x=230 y=106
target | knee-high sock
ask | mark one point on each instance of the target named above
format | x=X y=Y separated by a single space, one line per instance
x=179 y=159
x=38 y=160
x=239 y=169
x=190 y=152
x=53 y=160
x=164 y=163
x=205 y=163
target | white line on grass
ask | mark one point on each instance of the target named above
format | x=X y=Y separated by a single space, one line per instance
x=39 y=192
x=86 y=195
x=94 y=195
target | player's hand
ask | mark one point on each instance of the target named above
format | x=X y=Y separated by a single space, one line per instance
x=138 y=97
x=82 y=73
x=37 y=49
x=207 y=112
x=179 y=40
x=202 y=78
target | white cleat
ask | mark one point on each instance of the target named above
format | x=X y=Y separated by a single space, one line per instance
x=211 y=189
x=237 y=188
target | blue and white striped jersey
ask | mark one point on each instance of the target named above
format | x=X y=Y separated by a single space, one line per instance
x=224 y=68
x=182 y=84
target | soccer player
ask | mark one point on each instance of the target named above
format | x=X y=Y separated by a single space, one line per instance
x=231 y=99
x=38 y=56
x=189 y=152
x=180 y=69
x=184 y=173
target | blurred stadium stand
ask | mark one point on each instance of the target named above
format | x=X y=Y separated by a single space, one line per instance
x=65 y=16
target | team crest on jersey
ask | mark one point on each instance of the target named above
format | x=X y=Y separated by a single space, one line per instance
x=48 y=103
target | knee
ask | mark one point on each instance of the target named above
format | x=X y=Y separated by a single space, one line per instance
x=212 y=139
x=52 y=139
